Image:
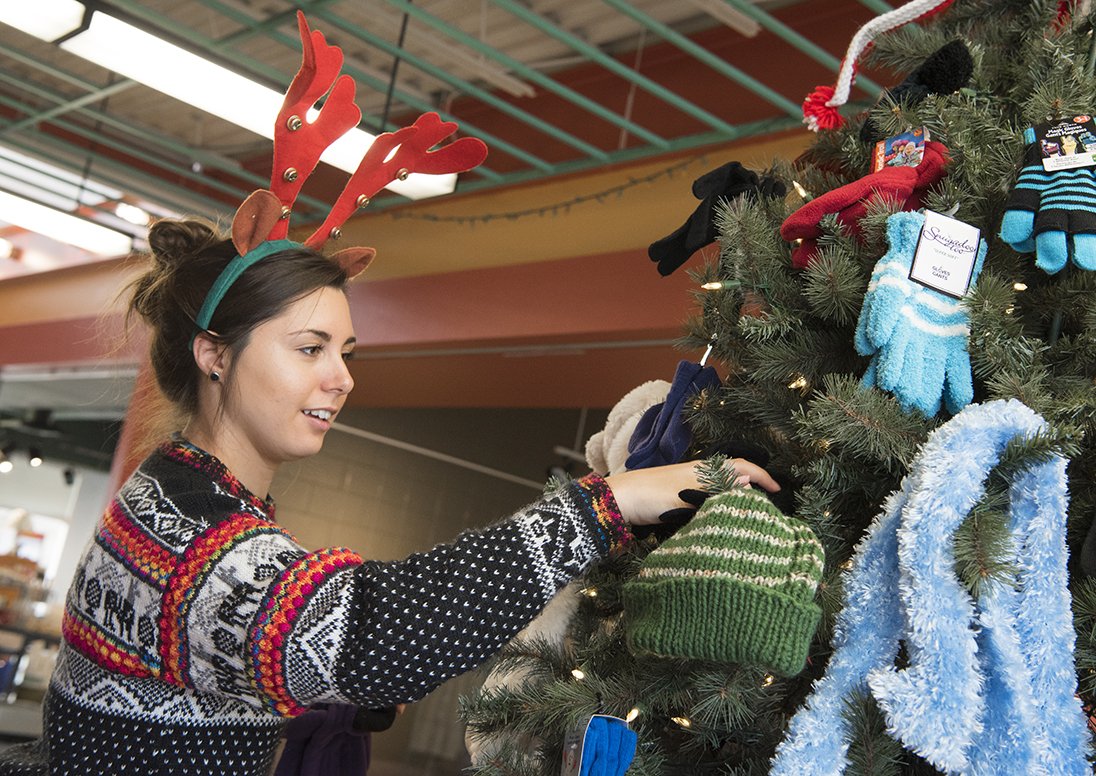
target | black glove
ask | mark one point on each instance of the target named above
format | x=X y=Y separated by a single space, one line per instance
x=673 y=519
x=946 y=70
x=374 y=720
x=726 y=182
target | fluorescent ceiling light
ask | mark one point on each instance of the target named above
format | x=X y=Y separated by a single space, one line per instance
x=57 y=187
x=132 y=213
x=62 y=226
x=136 y=54
x=47 y=20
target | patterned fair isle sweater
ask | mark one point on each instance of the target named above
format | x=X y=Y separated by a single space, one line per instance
x=196 y=625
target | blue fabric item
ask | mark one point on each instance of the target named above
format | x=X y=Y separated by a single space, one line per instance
x=1050 y=212
x=325 y=742
x=661 y=436
x=990 y=686
x=917 y=336
x=608 y=748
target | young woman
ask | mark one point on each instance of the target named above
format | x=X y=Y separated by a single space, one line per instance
x=196 y=626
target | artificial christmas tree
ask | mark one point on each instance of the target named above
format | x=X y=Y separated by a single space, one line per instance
x=803 y=331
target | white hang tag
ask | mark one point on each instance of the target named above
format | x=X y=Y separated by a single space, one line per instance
x=945 y=255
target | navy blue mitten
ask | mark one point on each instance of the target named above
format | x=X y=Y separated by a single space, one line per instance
x=662 y=436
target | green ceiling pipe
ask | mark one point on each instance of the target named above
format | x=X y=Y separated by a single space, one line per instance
x=142 y=133
x=458 y=83
x=877 y=5
x=108 y=171
x=523 y=70
x=721 y=66
x=807 y=46
x=69 y=106
x=280 y=81
x=638 y=153
x=597 y=55
x=363 y=78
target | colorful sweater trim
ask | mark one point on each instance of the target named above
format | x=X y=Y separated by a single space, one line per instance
x=613 y=533
x=284 y=602
x=187 y=453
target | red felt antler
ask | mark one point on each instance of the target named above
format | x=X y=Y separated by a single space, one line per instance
x=299 y=143
x=413 y=154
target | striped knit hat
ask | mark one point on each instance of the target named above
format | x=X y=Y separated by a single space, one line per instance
x=735 y=585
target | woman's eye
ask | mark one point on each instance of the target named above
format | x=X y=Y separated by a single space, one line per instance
x=348 y=356
x=312 y=350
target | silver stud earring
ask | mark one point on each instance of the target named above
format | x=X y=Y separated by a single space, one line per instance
x=214 y=376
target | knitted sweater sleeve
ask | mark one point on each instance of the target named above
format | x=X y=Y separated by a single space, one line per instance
x=289 y=628
x=416 y=623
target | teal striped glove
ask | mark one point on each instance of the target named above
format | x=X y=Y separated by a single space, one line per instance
x=1052 y=213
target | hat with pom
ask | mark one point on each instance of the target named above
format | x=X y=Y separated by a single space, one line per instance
x=820 y=108
x=735 y=585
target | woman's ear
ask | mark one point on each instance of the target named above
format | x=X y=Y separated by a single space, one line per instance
x=210 y=356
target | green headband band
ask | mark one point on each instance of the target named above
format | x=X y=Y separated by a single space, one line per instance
x=230 y=274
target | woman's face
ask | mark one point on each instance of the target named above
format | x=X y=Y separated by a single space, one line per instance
x=290 y=380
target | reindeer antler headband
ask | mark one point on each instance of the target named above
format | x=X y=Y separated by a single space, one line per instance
x=261 y=224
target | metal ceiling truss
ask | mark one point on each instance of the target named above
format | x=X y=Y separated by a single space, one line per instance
x=186 y=186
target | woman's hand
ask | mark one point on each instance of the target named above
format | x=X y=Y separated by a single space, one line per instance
x=644 y=494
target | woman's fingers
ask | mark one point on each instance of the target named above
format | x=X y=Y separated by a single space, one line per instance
x=752 y=474
x=644 y=494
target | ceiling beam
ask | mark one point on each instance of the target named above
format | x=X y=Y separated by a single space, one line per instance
x=708 y=58
x=808 y=47
x=530 y=74
x=606 y=61
x=460 y=84
x=363 y=78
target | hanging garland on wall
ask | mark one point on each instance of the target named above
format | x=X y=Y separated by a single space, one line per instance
x=557 y=207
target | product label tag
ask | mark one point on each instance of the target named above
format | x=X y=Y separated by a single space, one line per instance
x=577 y=743
x=1068 y=143
x=945 y=255
x=905 y=150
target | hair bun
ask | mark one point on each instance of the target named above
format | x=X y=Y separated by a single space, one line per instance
x=172 y=240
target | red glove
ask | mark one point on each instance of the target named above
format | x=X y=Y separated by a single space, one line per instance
x=906 y=185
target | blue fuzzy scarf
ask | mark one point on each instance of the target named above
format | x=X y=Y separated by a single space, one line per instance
x=990 y=686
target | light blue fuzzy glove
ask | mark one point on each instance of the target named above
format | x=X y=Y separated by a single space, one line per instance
x=889 y=286
x=916 y=336
x=608 y=748
x=1051 y=212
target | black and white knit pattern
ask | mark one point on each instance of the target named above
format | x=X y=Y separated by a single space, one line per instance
x=164 y=669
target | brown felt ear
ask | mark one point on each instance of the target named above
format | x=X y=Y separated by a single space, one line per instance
x=254 y=219
x=353 y=260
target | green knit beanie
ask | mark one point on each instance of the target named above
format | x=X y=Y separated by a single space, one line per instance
x=735 y=585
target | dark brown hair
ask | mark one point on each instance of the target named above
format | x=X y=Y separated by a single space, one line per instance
x=187 y=258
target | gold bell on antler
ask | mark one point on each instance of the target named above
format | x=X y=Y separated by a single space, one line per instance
x=403 y=173
x=289 y=175
x=362 y=201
